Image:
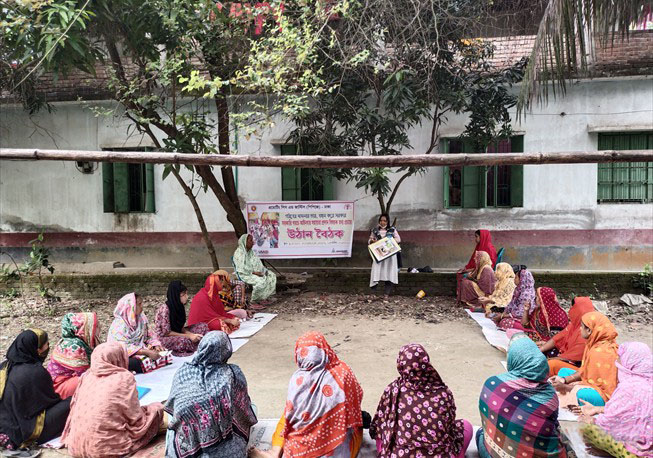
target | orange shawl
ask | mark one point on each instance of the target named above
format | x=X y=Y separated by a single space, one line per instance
x=598 y=369
x=569 y=341
x=106 y=418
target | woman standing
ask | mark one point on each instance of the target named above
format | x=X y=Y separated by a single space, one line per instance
x=130 y=328
x=480 y=283
x=72 y=354
x=387 y=270
x=416 y=415
x=210 y=390
x=171 y=326
x=249 y=268
x=30 y=411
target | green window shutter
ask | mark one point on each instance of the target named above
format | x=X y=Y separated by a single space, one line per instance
x=121 y=187
x=327 y=188
x=517 y=173
x=149 y=188
x=605 y=178
x=107 y=187
x=445 y=174
x=290 y=177
x=472 y=188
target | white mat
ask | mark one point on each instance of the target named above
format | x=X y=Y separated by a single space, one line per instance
x=252 y=326
x=495 y=337
x=261 y=437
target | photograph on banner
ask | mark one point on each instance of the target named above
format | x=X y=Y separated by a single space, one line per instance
x=307 y=229
x=384 y=248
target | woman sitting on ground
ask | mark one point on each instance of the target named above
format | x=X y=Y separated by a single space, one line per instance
x=210 y=392
x=323 y=410
x=519 y=408
x=386 y=271
x=523 y=301
x=568 y=344
x=483 y=243
x=30 y=411
x=207 y=307
x=544 y=320
x=106 y=418
x=170 y=322
x=129 y=327
x=597 y=377
x=624 y=427
x=71 y=356
x=417 y=414
x=480 y=283
x=249 y=268
x=505 y=286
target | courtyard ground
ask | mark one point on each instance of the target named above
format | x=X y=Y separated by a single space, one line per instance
x=366 y=332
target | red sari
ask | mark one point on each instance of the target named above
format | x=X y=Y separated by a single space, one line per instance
x=484 y=244
x=207 y=307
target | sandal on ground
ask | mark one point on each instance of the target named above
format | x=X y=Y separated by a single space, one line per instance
x=21 y=453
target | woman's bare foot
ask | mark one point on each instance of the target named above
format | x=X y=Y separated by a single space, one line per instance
x=274 y=452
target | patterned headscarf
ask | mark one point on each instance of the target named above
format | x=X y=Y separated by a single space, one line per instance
x=598 y=368
x=549 y=313
x=628 y=415
x=324 y=400
x=524 y=293
x=505 y=285
x=209 y=399
x=129 y=328
x=519 y=408
x=417 y=414
x=79 y=335
x=482 y=261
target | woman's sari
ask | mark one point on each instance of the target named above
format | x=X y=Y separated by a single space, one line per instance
x=71 y=357
x=129 y=328
x=569 y=342
x=416 y=415
x=504 y=288
x=628 y=415
x=549 y=317
x=207 y=307
x=480 y=282
x=484 y=244
x=519 y=408
x=209 y=405
x=524 y=294
x=598 y=368
x=232 y=292
x=323 y=408
x=106 y=418
x=246 y=262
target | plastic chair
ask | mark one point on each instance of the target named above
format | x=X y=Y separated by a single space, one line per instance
x=499 y=257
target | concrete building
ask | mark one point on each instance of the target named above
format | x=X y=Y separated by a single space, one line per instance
x=580 y=217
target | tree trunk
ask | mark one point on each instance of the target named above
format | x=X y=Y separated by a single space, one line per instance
x=200 y=219
x=234 y=215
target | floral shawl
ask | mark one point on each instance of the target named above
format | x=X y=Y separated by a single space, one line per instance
x=72 y=354
x=524 y=293
x=505 y=285
x=417 y=414
x=324 y=400
x=519 y=408
x=208 y=400
x=130 y=329
x=598 y=368
x=628 y=415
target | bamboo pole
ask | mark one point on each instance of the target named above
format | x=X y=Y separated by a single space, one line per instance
x=419 y=160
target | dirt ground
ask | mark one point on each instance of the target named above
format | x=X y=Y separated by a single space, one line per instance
x=366 y=332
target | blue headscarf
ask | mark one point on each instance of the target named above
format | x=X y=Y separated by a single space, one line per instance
x=525 y=360
x=209 y=400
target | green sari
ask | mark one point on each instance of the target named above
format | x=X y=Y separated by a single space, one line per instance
x=245 y=264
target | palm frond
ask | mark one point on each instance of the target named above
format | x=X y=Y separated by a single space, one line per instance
x=565 y=39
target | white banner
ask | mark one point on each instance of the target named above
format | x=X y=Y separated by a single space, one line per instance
x=315 y=229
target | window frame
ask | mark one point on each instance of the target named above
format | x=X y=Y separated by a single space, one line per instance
x=294 y=179
x=117 y=194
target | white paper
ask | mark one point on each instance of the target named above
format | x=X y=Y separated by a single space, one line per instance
x=250 y=327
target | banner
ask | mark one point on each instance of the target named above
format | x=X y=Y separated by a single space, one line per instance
x=315 y=229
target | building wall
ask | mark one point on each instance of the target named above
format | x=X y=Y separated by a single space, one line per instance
x=561 y=225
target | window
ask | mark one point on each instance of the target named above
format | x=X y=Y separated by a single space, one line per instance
x=625 y=181
x=479 y=187
x=128 y=188
x=304 y=184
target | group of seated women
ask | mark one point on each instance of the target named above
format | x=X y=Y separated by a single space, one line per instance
x=209 y=412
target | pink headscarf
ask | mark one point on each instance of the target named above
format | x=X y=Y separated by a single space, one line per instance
x=129 y=328
x=628 y=415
